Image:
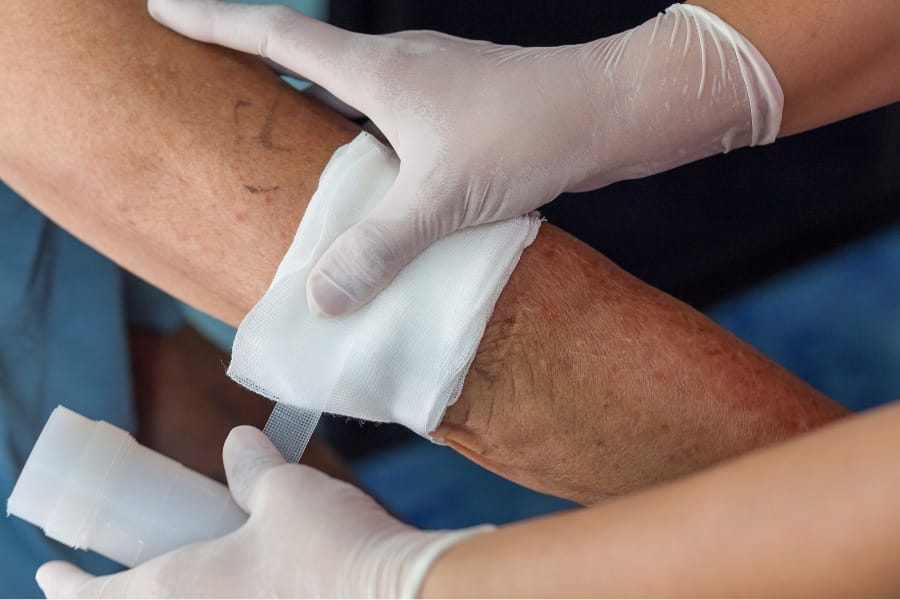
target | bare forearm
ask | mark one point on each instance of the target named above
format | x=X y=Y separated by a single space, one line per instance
x=589 y=383
x=815 y=517
x=833 y=58
x=192 y=167
x=185 y=163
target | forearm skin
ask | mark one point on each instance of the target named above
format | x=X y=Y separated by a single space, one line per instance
x=185 y=163
x=833 y=58
x=192 y=166
x=589 y=383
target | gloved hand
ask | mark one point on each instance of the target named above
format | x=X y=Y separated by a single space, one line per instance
x=486 y=132
x=308 y=535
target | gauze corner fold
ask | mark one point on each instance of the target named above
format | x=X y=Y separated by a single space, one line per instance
x=402 y=357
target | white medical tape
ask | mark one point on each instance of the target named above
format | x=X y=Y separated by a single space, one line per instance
x=290 y=428
x=402 y=357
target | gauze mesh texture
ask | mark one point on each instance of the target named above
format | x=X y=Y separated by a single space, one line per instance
x=401 y=358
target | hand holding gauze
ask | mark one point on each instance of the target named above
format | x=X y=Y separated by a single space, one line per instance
x=486 y=132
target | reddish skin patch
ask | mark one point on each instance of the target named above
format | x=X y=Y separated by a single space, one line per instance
x=241 y=217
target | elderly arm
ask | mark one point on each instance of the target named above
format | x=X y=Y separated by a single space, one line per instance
x=589 y=383
x=192 y=166
x=184 y=163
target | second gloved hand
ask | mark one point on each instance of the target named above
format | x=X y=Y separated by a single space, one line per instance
x=486 y=132
x=308 y=536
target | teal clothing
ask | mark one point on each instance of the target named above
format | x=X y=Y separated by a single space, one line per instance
x=62 y=341
x=64 y=317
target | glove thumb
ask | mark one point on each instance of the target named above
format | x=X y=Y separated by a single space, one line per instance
x=368 y=256
x=247 y=454
x=58 y=579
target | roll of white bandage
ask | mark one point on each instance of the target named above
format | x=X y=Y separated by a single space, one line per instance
x=90 y=485
x=403 y=357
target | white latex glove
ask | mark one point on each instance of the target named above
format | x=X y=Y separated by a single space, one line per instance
x=486 y=132
x=308 y=535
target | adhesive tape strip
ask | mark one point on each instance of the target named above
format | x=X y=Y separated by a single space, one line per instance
x=290 y=428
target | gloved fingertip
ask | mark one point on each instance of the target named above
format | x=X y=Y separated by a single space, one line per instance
x=247 y=437
x=162 y=11
x=44 y=579
x=326 y=298
x=188 y=17
x=57 y=576
x=247 y=454
x=153 y=9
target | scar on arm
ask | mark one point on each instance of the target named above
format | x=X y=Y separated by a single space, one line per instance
x=237 y=109
x=264 y=136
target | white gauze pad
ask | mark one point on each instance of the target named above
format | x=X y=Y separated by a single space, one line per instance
x=401 y=358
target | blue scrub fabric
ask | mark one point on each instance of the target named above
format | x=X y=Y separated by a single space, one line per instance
x=64 y=317
x=62 y=341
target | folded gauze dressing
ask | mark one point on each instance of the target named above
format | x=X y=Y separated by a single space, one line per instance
x=401 y=358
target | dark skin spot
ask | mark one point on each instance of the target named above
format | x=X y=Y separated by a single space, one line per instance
x=488 y=377
x=237 y=109
x=258 y=189
x=264 y=137
x=265 y=134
